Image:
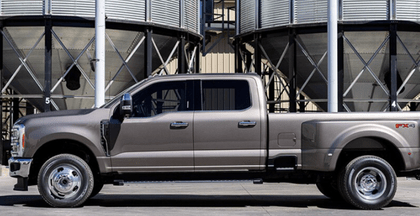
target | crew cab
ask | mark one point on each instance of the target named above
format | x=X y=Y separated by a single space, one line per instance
x=212 y=127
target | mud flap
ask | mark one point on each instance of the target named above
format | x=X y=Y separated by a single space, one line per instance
x=22 y=184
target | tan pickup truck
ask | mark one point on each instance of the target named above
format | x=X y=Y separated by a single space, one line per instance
x=212 y=127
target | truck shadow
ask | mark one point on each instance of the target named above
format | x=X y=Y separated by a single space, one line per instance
x=124 y=200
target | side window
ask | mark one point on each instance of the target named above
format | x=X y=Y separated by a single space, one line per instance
x=160 y=98
x=225 y=95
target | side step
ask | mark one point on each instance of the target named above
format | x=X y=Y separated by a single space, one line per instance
x=118 y=183
x=254 y=181
x=285 y=168
x=283 y=163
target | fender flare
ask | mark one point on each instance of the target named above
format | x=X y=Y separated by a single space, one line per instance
x=363 y=131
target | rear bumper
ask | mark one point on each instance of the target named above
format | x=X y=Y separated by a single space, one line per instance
x=19 y=167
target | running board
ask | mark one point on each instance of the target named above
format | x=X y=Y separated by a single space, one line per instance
x=122 y=182
x=285 y=168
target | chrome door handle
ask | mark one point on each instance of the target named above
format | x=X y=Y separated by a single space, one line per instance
x=179 y=125
x=247 y=124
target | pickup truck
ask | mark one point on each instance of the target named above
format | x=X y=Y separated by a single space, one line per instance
x=212 y=127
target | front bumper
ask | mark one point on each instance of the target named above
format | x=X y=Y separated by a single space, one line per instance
x=19 y=167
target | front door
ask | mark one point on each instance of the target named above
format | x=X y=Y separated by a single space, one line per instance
x=158 y=136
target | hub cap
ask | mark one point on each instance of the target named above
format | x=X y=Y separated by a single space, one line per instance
x=370 y=183
x=64 y=181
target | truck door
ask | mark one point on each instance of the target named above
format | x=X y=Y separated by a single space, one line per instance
x=159 y=134
x=227 y=128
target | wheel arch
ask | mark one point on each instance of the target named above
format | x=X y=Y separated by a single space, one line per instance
x=62 y=146
x=371 y=145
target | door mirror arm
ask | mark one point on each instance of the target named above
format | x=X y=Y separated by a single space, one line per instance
x=126 y=105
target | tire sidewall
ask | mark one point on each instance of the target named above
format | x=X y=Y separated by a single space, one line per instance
x=86 y=180
x=329 y=189
x=351 y=192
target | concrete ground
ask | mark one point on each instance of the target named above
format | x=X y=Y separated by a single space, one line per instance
x=211 y=198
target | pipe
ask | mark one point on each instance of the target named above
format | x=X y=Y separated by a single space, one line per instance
x=238 y=16
x=332 y=56
x=100 y=53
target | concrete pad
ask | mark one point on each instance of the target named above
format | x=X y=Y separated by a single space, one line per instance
x=209 y=198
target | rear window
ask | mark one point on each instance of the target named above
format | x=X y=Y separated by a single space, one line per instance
x=225 y=95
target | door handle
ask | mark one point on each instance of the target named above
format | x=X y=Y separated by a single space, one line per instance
x=244 y=124
x=179 y=125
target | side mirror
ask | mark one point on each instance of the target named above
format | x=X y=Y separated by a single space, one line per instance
x=126 y=105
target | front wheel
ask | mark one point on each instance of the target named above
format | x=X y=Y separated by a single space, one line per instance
x=65 y=180
x=368 y=182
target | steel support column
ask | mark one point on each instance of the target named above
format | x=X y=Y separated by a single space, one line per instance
x=100 y=32
x=181 y=55
x=271 y=92
x=197 y=59
x=257 y=54
x=248 y=60
x=48 y=64
x=148 y=52
x=332 y=56
x=15 y=109
x=238 y=57
x=1 y=99
x=237 y=17
x=292 y=70
x=29 y=109
x=393 y=67
x=302 y=103
x=413 y=106
x=340 y=69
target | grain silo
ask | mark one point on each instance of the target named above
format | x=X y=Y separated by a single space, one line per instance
x=287 y=40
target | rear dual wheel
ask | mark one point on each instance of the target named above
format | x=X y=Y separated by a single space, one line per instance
x=368 y=182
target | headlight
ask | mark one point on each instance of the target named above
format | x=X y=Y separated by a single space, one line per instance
x=18 y=140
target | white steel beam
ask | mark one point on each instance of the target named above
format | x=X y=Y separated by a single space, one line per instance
x=100 y=53
x=332 y=56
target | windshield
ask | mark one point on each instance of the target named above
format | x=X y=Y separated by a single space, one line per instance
x=118 y=97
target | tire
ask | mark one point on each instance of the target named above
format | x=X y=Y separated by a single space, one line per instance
x=65 y=180
x=368 y=182
x=329 y=189
x=97 y=187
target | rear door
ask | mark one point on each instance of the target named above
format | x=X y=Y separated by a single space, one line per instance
x=227 y=127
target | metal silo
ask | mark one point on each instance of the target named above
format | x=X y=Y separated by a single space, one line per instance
x=142 y=37
x=286 y=42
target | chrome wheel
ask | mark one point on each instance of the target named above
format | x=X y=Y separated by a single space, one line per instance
x=370 y=183
x=65 y=181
